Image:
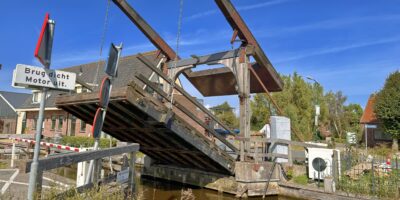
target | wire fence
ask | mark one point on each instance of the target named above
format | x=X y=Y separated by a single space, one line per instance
x=369 y=175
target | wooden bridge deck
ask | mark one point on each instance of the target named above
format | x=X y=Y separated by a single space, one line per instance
x=135 y=116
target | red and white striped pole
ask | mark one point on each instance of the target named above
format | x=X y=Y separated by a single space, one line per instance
x=53 y=145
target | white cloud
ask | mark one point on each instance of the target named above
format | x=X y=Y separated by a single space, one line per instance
x=261 y=5
x=239 y=8
x=336 y=49
x=326 y=24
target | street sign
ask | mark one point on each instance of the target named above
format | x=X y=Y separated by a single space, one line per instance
x=37 y=77
x=97 y=123
x=319 y=164
x=351 y=138
x=371 y=126
x=112 y=62
x=45 y=42
x=123 y=175
x=104 y=92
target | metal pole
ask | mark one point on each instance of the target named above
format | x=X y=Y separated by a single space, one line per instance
x=13 y=154
x=91 y=165
x=33 y=176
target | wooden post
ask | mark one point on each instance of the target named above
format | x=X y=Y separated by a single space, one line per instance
x=242 y=150
x=243 y=78
x=290 y=158
x=335 y=167
x=131 y=181
x=96 y=172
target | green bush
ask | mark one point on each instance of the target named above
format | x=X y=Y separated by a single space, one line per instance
x=78 y=141
x=302 y=179
x=289 y=173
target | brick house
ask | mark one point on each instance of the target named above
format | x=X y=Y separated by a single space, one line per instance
x=372 y=128
x=89 y=76
x=9 y=102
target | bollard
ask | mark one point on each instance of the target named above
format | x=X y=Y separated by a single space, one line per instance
x=13 y=154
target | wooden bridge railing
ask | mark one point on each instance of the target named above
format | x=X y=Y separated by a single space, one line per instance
x=179 y=106
x=73 y=158
x=262 y=147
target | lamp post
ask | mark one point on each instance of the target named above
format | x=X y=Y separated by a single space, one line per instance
x=317 y=108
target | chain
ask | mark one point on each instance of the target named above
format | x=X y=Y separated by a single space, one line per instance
x=178 y=36
x=103 y=35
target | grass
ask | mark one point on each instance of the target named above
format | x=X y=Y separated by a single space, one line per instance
x=380 y=150
x=4 y=165
x=383 y=186
x=302 y=179
x=106 y=192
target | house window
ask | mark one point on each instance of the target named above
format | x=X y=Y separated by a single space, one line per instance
x=53 y=122
x=35 y=97
x=83 y=126
x=60 y=122
x=34 y=123
x=24 y=124
x=380 y=135
x=78 y=89
x=73 y=126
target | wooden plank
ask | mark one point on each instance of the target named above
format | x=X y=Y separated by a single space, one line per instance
x=187 y=112
x=72 y=158
x=184 y=93
x=278 y=155
x=278 y=141
x=146 y=29
x=244 y=33
x=172 y=150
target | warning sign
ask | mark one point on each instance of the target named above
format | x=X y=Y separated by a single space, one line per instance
x=37 y=77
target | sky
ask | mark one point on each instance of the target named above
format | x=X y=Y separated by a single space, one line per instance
x=347 y=45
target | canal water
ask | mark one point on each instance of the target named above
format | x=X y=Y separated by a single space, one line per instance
x=156 y=189
x=161 y=190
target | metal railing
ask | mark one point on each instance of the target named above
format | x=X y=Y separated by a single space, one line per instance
x=54 y=162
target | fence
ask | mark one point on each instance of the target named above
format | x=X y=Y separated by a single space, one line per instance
x=73 y=158
x=369 y=175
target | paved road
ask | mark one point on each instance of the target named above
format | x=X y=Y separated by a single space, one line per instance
x=14 y=184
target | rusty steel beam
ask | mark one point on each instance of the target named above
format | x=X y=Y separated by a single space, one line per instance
x=244 y=33
x=146 y=29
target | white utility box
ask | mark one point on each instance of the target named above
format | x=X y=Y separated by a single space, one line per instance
x=321 y=159
x=280 y=129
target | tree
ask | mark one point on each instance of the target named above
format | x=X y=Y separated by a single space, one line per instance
x=225 y=113
x=387 y=107
x=351 y=119
x=261 y=111
x=297 y=101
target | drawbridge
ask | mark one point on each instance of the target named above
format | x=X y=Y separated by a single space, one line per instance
x=167 y=127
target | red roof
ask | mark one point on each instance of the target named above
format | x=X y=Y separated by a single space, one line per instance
x=368 y=116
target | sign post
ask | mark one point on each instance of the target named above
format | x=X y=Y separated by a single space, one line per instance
x=31 y=77
x=111 y=69
x=43 y=53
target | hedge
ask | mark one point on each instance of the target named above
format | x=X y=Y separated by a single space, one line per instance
x=77 y=141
